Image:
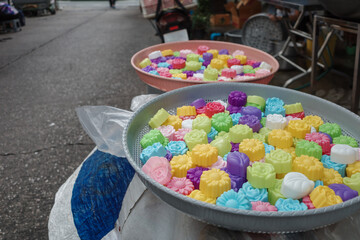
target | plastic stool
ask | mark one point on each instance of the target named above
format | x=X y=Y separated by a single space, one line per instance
x=10 y=26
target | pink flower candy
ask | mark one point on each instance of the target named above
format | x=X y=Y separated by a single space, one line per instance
x=170 y=61
x=159 y=169
x=165 y=74
x=179 y=134
x=168 y=131
x=183 y=185
x=241 y=78
x=307 y=201
x=162 y=69
x=238 y=52
x=263 y=207
x=220 y=163
x=262 y=73
x=185 y=52
x=249 y=75
x=250 y=62
x=224 y=79
x=194 y=79
x=153 y=65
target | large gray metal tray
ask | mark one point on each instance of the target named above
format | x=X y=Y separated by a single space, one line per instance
x=243 y=220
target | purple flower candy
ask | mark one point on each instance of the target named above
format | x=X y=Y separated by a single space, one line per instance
x=200 y=71
x=252 y=121
x=206 y=63
x=233 y=109
x=207 y=56
x=237 y=98
x=250 y=110
x=256 y=65
x=169 y=57
x=236 y=181
x=189 y=73
x=345 y=192
x=194 y=175
x=242 y=74
x=198 y=103
x=234 y=147
x=148 y=69
x=209 y=140
x=237 y=163
x=168 y=155
x=223 y=52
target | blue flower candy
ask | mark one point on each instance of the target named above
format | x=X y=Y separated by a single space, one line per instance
x=268 y=148
x=213 y=133
x=318 y=183
x=235 y=118
x=254 y=194
x=157 y=149
x=341 y=168
x=289 y=204
x=233 y=199
x=177 y=148
x=274 y=101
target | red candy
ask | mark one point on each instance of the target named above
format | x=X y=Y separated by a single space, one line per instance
x=233 y=61
x=298 y=115
x=249 y=74
x=165 y=74
x=307 y=201
x=200 y=110
x=228 y=72
x=250 y=62
x=178 y=63
x=202 y=49
x=213 y=107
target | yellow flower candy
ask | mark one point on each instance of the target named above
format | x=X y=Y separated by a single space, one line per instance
x=298 y=128
x=186 y=111
x=311 y=167
x=198 y=195
x=217 y=64
x=242 y=58
x=331 y=176
x=174 y=121
x=352 y=168
x=280 y=138
x=180 y=75
x=314 y=121
x=290 y=150
x=167 y=52
x=253 y=148
x=214 y=52
x=204 y=155
x=224 y=58
x=214 y=182
x=180 y=165
x=323 y=196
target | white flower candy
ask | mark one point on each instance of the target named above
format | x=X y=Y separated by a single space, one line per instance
x=265 y=65
x=199 y=75
x=224 y=79
x=296 y=185
x=155 y=55
x=275 y=121
x=222 y=103
x=239 y=69
x=344 y=154
x=187 y=123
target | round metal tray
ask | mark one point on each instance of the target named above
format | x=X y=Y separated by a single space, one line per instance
x=245 y=220
x=168 y=84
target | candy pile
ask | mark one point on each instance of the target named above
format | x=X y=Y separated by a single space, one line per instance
x=204 y=65
x=252 y=153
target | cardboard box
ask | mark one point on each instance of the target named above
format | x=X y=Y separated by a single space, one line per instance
x=218 y=20
x=242 y=11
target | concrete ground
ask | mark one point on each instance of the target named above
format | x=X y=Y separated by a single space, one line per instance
x=80 y=56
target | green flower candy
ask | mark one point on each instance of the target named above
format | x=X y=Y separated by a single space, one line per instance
x=353 y=182
x=193 y=66
x=259 y=137
x=222 y=144
x=240 y=132
x=210 y=74
x=263 y=121
x=261 y=175
x=152 y=137
x=192 y=57
x=281 y=160
x=195 y=137
x=308 y=148
x=202 y=122
x=223 y=135
x=159 y=118
x=346 y=140
x=274 y=192
x=333 y=129
x=221 y=122
x=175 y=71
x=265 y=131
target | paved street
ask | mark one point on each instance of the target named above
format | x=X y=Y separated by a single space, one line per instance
x=80 y=56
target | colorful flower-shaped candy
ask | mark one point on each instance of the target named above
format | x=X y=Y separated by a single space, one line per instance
x=323 y=196
x=314 y=121
x=151 y=151
x=195 y=137
x=177 y=148
x=159 y=169
x=202 y=122
x=194 y=175
x=345 y=192
x=159 y=118
x=298 y=128
x=331 y=176
x=353 y=182
x=180 y=165
x=198 y=195
x=222 y=144
x=233 y=199
x=263 y=207
x=181 y=185
x=174 y=121
x=308 y=148
x=254 y=194
x=311 y=167
x=214 y=182
x=204 y=155
x=274 y=192
x=167 y=131
x=180 y=134
x=221 y=122
x=261 y=175
x=325 y=159
x=280 y=138
x=281 y=160
x=253 y=148
x=287 y=205
x=296 y=185
x=152 y=137
x=240 y=132
x=333 y=129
